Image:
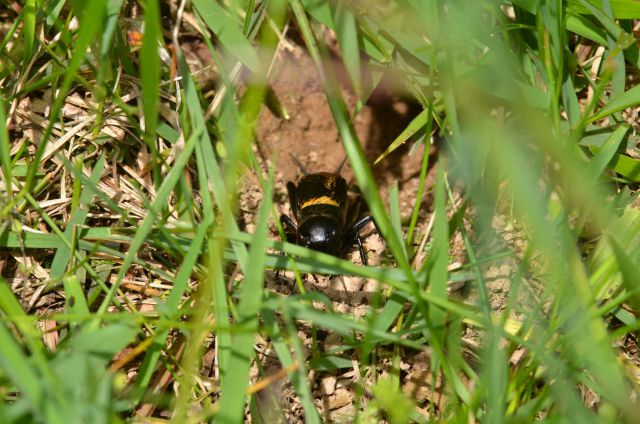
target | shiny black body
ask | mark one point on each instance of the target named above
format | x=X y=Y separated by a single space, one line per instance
x=326 y=218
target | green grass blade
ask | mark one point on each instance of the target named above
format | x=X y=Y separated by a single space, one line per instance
x=628 y=167
x=234 y=384
x=622 y=9
x=32 y=375
x=420 y=121
x=629 y=98
x=207 y=160
x=16 y=365
x=29 y=30
x=347 y=33
x=150 y=79
x=439 y=257
x=5 y=148
x=229 y=32
x=629 y=271
x=297 y=377
x=394 y=212
x=604 y=156
x=584 y=27
x=418 y=201
x=78 y=217
x=76 y=301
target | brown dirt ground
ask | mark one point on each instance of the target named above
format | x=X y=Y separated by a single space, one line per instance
x=310 y=135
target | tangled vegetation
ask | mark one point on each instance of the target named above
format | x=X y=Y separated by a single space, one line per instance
x=137 y=284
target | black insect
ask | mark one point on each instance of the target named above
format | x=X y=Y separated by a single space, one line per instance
x=327 y=219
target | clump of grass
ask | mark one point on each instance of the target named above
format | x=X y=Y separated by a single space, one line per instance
x=122 y=257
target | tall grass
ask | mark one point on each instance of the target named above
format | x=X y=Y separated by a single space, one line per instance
x=535 y=111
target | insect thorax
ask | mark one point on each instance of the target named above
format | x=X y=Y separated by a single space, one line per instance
x=322 y=189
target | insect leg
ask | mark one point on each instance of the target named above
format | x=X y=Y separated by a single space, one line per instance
x=290 y=230
x=360 y=224
x=363 y=255
x=353 y=236
x=292 y=191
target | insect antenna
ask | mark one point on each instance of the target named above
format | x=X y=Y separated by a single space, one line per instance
x=299 y=164
x=341 y=165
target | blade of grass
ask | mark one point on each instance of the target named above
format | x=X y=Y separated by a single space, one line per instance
x=297 y=377
x=16 y=365
x=206 y=158
x=629 y=271
x=584 y=27
x=604 y=156
x=150 y=81
x=33 y=374
x=78 y=216
x=76 y=301
x=420 y=121
x=622 y=9
x=418 y=201
x=628 y=167
x=603 y=16
x=235 y=382
x=5 y=156
x=347 y=34
x=439 y=257
x=394 y=211
x=29 y=30
x=629 y=98
x=229 y=32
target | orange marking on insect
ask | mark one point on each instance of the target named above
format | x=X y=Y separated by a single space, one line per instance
x=330 y=183
x=322 y=200
x=134 y=38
